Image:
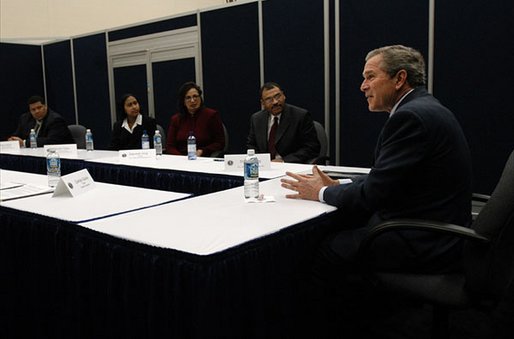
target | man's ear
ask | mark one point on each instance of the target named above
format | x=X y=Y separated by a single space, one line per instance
x=401 y=78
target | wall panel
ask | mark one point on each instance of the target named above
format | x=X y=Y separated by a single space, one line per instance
x=21 y=71
x=59 y=79
x=92 y=86
x=230 y=53
x=153 y=27
x=294 y=52
x=473 y=77
x=366 y=25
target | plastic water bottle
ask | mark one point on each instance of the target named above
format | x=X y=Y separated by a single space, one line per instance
x=89 y=140
x=251 y=174
x=53 y=167
x=191 y=146
x=157 y=142
x=145 y=141
x=32 y=139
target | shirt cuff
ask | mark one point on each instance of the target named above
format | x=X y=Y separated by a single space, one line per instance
x=321 y=192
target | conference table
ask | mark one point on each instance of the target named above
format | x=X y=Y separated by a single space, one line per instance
x=123 y=261
x=167 y=172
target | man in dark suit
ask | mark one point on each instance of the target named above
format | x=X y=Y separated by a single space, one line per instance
x=422 y=169
x=50 y=127
x=285 y=131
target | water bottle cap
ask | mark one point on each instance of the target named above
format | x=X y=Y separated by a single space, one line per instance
x=157 y=131
x=88 y=130
x=251 y=152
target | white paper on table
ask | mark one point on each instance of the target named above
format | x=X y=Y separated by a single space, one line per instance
x=24 y=191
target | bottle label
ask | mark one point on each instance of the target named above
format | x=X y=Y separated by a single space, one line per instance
x=191 y=148
x=251 y=170
x=53 y=165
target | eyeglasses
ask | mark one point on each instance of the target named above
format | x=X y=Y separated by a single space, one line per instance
x=193 y=97
x=269 y=100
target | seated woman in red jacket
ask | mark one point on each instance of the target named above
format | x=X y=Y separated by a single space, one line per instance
x=193 y=116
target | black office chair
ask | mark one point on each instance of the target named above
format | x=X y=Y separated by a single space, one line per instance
x=78 y=132
x=487 y=279
x=220 y=154
x=323 y=157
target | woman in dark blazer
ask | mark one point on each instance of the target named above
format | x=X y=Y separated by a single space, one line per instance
x=127 y=132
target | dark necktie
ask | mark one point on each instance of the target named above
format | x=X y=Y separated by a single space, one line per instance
x=271 y=140
x=38 y=127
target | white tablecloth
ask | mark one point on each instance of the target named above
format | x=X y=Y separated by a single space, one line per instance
x=213 y=222
x=101 y=201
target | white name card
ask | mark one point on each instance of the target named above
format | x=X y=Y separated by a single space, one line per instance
x=134 y=154
x=74 y=184
x=235 y=162
x=63 y=149
x=9 y=146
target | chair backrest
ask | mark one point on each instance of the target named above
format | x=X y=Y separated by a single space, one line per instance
x=323 y=140
x=163 y=136
x=225 y=149
x=490 y=267
x=220 y=154
x=78 y=132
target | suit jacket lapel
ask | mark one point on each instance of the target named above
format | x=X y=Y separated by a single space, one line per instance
x=262 y=126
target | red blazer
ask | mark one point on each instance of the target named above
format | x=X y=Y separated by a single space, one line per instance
x=206 y=126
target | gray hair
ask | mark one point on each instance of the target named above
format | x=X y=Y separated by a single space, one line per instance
x=398 y=57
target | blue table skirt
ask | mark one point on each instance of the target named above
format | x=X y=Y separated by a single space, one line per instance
x=168 y=180
x=61 y=280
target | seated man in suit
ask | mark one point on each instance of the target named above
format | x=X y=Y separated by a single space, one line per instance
x=285 y=131
x=422 y=169
x=50 y=127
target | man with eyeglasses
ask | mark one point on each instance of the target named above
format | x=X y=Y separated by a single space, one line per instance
x=285 y=131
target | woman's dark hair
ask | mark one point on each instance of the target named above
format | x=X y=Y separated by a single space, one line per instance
x=181 y=107
x=120 y=107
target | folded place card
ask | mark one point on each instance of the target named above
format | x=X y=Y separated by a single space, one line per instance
x=6 y=146
x=235 y=162
x=63 y=150
x=134 y=154
x=74 y=184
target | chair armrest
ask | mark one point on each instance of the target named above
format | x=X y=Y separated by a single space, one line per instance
x=217 y=154
x=422 y=225
x=478 y=202
x=321 y=160
x=480 y=197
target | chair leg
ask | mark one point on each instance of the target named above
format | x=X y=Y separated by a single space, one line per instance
x=440 y=323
